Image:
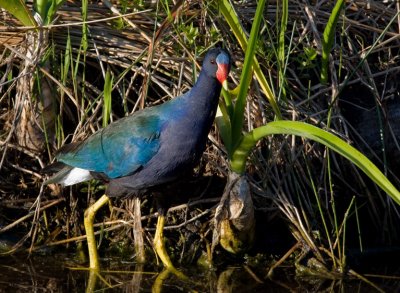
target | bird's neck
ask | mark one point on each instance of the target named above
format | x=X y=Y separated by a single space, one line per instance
x=204 y=95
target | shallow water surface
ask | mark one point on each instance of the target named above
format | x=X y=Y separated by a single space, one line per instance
x=59 y=273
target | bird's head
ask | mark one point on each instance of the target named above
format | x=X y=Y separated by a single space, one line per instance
x=218 y=63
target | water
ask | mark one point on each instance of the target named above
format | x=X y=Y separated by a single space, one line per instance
x=59 y=272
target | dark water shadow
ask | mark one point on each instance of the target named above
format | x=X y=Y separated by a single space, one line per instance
x=59 y=273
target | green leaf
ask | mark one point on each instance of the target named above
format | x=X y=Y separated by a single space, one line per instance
x=328 y=37
x=222 y=120
x=246 y=76
x=18 y=9
x=231 y=18
x=47 y=9
x=41 y=7
x=312 y=132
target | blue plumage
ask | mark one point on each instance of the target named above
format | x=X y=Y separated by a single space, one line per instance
x=153 y=146
x=121 y=149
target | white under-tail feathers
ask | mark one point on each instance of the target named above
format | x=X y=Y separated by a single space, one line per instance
x=70 y=176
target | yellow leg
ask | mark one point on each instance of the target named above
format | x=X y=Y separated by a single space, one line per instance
x=159 y=246
x=91 y=240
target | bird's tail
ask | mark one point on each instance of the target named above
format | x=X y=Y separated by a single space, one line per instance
x=65 y=174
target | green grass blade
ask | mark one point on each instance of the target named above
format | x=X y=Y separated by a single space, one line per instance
x=67 y=61
x=42 y=7
x=245 y=78
x=321 y=211
x=108 y=85
x=222 y=120
x=47 y=9
x=19 y=10
x=327 y=39
x=314 y=133
x=82 y=51
x=231 y=18
x=85 y=28
x=228 y=102
x=282 y=32
x=281 y=46
x=267 y=90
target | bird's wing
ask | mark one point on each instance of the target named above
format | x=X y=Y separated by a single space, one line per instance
x=120 y=149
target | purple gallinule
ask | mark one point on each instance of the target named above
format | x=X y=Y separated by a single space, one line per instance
x=149 y=148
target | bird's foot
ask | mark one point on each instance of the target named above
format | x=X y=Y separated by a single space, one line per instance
x=161 y=251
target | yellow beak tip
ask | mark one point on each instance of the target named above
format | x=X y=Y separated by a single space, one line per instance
x=225 y=85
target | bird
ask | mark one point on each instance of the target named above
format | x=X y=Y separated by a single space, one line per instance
x=149 y=148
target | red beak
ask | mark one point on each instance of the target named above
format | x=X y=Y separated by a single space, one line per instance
x=222 y=72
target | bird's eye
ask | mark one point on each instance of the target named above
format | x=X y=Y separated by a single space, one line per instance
x=212 y=61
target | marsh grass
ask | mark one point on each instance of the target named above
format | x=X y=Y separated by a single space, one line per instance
x=102 y=70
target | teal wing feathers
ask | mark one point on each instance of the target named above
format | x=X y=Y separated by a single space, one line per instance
x=121 y=148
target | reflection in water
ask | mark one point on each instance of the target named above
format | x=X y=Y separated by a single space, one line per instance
x=91 y=284
x=157 y=286
x=58 y=273
x=225 y=282
x=96 y=280
x=135 y=284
